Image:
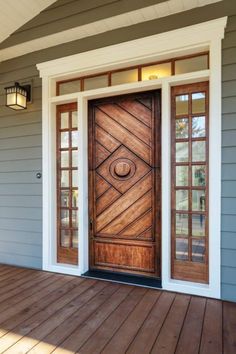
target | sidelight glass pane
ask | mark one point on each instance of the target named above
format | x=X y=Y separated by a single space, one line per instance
x=188 y=65
x=182 y=152
x=198 y=102
x=74 y=218
x=198 y=151
x=181 y=176
x=75 y=178
x=181 y=128
x=181 y=200
x=65 y=219
x=124 y=77
x=74 y=158
x=198 y=200
x=65 y=198
x=198 y=225
x=74 y=120
x=198 y=127
x=65 y=179
x=181 y=104
x=74 y=138
x=64 y=139
x=154 y=72
x=181 y=249
x=181 y=224
x=74 y=198
x=75 y=238
x=199 y=175
x=64 y=159
x=95 y=82
x=65 y=120
x=65 y=238
x=198 y=250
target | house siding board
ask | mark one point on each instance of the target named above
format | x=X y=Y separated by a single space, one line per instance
x=228 y=237
x=21 y=148
x=20 y=160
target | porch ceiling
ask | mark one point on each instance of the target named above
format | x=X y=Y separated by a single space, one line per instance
x=15 y=14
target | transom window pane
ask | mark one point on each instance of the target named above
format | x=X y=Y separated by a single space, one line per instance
x=154 y=72
x=95 y=82
x=69 y=87
x=191 y=64
x=124 y=77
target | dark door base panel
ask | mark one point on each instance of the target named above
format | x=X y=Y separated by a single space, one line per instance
x=123 y=278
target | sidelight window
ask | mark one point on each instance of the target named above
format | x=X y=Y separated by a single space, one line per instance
x=190 y=182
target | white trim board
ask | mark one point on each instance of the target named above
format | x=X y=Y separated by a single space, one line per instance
x=130 y=18
x=209 y=35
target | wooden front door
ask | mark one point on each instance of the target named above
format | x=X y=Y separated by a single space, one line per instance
x=125 y=193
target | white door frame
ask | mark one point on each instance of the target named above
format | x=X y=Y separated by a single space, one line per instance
x=188 y=40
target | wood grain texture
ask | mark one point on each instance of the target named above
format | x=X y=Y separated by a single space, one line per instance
x=124 y=158
x=65 y=314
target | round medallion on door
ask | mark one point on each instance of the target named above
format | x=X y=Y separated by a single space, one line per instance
x=122 y=169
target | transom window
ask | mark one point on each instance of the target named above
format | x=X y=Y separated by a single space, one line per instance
x=144 y=72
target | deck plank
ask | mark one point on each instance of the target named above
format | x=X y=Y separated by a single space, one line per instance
x=101 y=291
x=168 y=337
x=19 y=295
x=229 y=327
x=211 y=342
x=190 y=336
x=37 y=320
x=48 y=296
x=106 y=331
x=145 y=338
x=133 y=323
x=83 y=323
x=44 y=313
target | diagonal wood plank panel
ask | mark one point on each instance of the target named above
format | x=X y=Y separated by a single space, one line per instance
x=124 y=158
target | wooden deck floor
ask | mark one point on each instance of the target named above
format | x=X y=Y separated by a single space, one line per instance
x=44 y=313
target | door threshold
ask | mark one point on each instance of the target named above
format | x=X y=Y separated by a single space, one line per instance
x=124 y=279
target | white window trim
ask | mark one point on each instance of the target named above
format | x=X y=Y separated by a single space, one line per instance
x=191 y=39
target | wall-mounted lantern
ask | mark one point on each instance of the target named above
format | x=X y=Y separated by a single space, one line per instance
x=17 y=96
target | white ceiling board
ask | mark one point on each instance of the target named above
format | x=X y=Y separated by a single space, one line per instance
x=160 y=10
x=15 y=13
